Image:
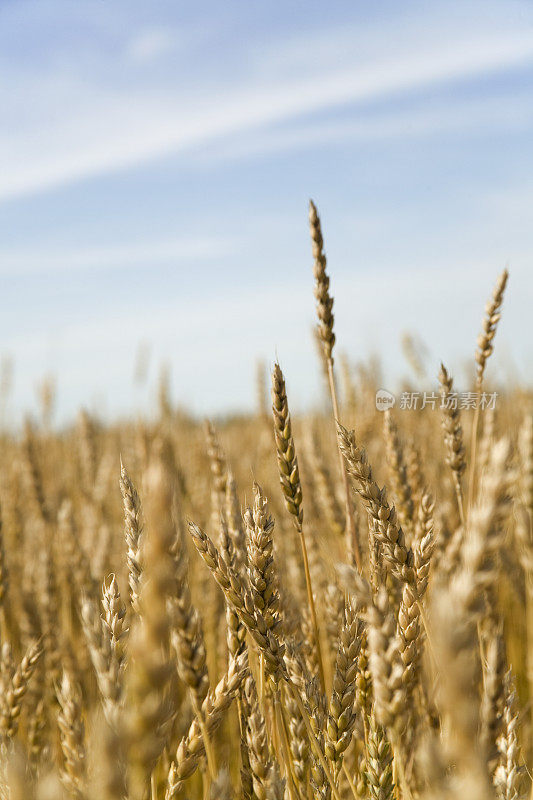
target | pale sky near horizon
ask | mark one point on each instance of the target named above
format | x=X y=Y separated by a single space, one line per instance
x=156 y=162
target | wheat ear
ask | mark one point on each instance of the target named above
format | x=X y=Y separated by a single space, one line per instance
x=324 y=307
x=149 y=671
x=17 y=688
x=385 y=527
x=342 y=716
x=453 y=436
x=133 y=531
x=401 y=488
x=192 y=747
x=485 y=346
x=292 y=488
x=72 y=731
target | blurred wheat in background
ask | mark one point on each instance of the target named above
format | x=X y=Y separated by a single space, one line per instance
x=336 y=605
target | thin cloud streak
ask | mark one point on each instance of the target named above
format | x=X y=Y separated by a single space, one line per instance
x=115 y=256
x=500 y=113
x=126 y=129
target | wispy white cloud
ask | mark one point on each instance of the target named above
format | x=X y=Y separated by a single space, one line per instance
x=412 y=27
x=115 y=129
x=115 y=256
x=499 y=113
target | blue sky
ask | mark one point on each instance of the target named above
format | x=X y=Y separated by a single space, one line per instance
x=156 y=162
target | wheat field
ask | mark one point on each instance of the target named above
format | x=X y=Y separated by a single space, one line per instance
x=337 y=605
